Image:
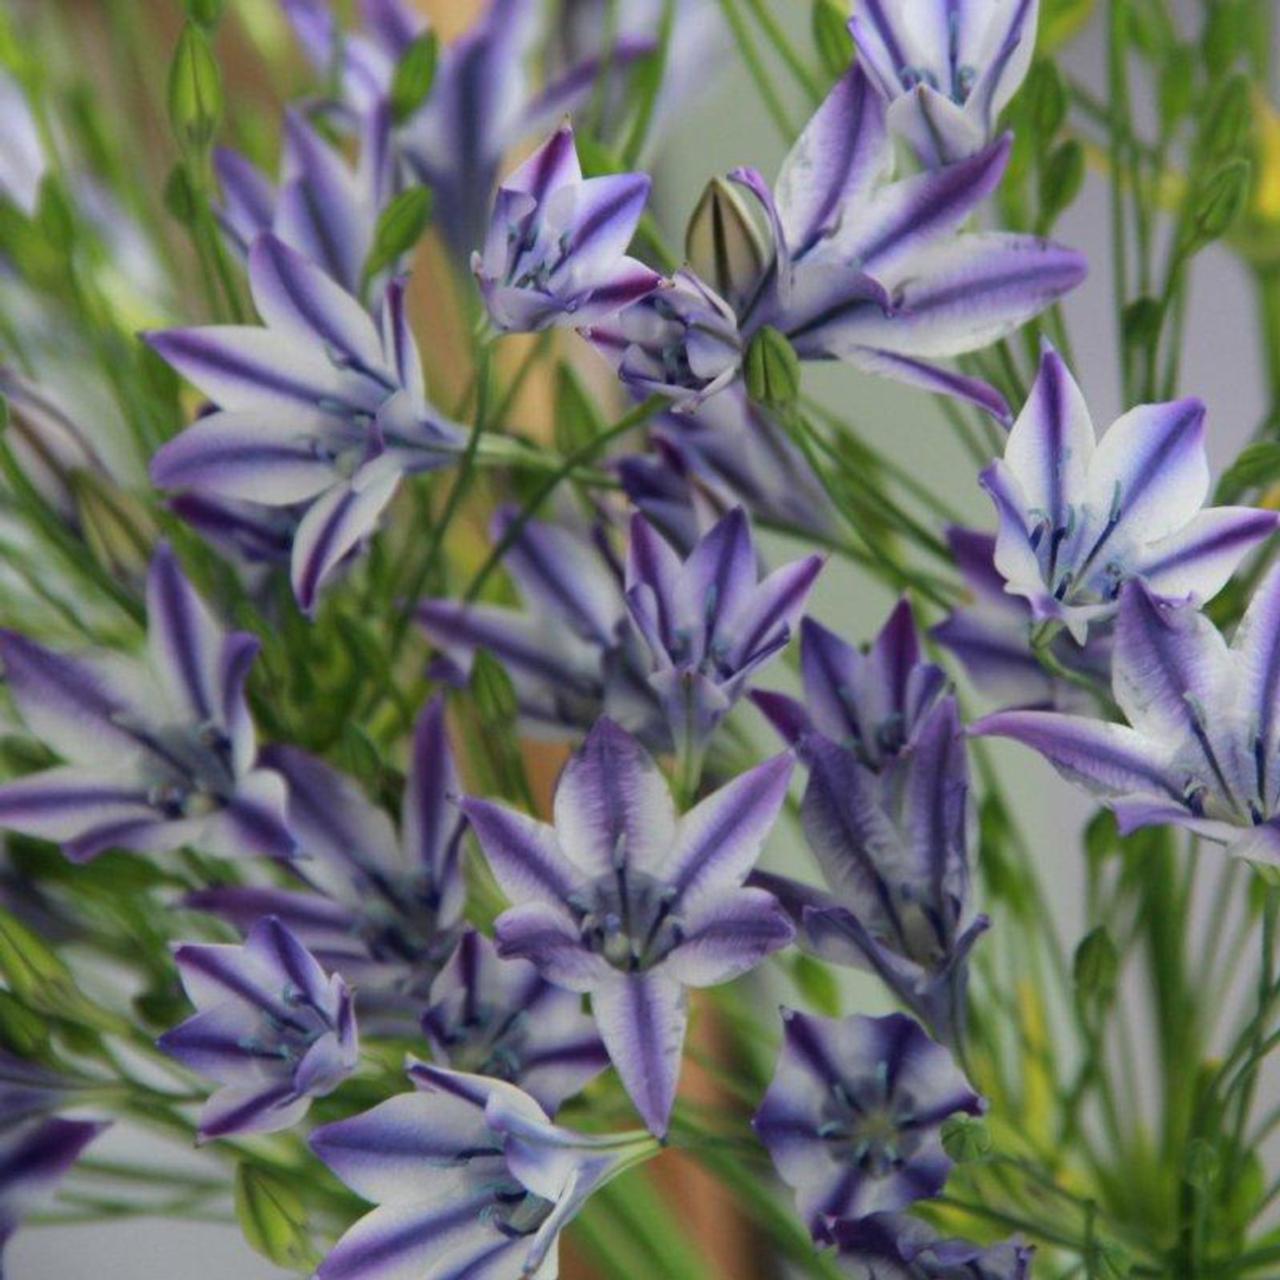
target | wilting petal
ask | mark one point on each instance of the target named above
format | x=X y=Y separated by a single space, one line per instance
x=725 y=936
x=522 y=852
x=332 y=527
x=719 y=840
x=612 y=805
x=642 y=1019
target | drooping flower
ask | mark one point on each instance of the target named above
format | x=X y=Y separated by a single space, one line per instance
x=556 y=249
x=1078 y=519
x=991 y=636
x=470 y=1178
x=501 y=1018
x=886 y=813
x=572 y=652
x=35 y=1154
x=709 y=621
x=1201 y=748
x=894 y=1246
x=322 y=208
x=271 y=1027
x=853 y=1117
x=848 y=265
x=317 y=407
x=622 y=900
x=382 y=911
x=946 y=72
x=160 y=749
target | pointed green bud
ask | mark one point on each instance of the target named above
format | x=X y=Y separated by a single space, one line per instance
x=415 y=74
x=966 y=1139
x=399 y=228
x=37 y=977
x=772 y=370
x=180 y=197
x=817 y=984
x=117 y=527
x=1141 y=322
x=1045 y=96
x=1060 y=181
x=1226 y=128
x=1176 y=85
x=831 y=36
x=1224 y=33
x=23 y=1032
x=195 y=90
x=1203 y=1164
x=723 y=243
x=273 y=1219
x=494 y=694
x=1218 y=203
x=208 y=13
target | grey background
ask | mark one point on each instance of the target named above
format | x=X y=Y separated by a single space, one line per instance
x=726 y=128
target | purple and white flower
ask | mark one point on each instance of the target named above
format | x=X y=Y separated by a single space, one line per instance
x=1080 y=518
x=854 y=1114
x=709 y=621
x=887 y=814
x=623 y=900
x=572 y=651
x=556 y=249
x=318 y=407
x=35 y=1154
x=991 y=637
x=160 y=749
x=470 y=1179
x=502 y=1018
x=849 y=266
x=271 y=1027
x=1201 y=748
x=894 y=1246
x=382 y=910
x=945 y=71
x=22 y=159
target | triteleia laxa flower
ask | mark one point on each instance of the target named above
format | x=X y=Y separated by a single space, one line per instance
x=34 y=1156
x=470 y=1178
x=622 y=900
x=853 y=1117
x=320 y=407
x=991 y=635
x=271 y=1027
x=1079 y=518
x=383 y=910
x=1201 y=748
x=946 y=71
x=556 y=249
x=894 y=1246
x=160 y=749
x=848 y=265
x=886 y=813
x=502 y=1018
x=710 y=621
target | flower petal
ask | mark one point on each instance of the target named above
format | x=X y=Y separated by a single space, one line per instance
x=523 y=853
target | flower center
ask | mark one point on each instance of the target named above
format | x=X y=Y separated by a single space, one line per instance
x=629 y=918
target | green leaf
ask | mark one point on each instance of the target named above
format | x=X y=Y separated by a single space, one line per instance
x=23 y=1032
x=399 y=228
x=54 y=216
x=1257 y=466
x=273 y=1219
x=494 y=694
x=196 y=102
x=578 y=418
x=1096 y=966
x=1225 y=29
x=816 y=984
x=1177 y=85
x=831 y=36
x=415 y=74
x=180 y=197
x=772 y=370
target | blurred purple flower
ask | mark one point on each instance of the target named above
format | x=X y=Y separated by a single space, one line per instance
x=470 y=1179
x=886 y=813
x=945 y=72
x=851 y=266
x=161 y=749
x=383 y=912
x=1078 y=519
x=853 y=1117
x=709 y=621
x=501 y=1018
x=271 y=1027
x=893 y=1246
x=1201 y=749
x=572 y=652
x=22 y=158
x=555 y=252
x=622 y=900
x=318 y=407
